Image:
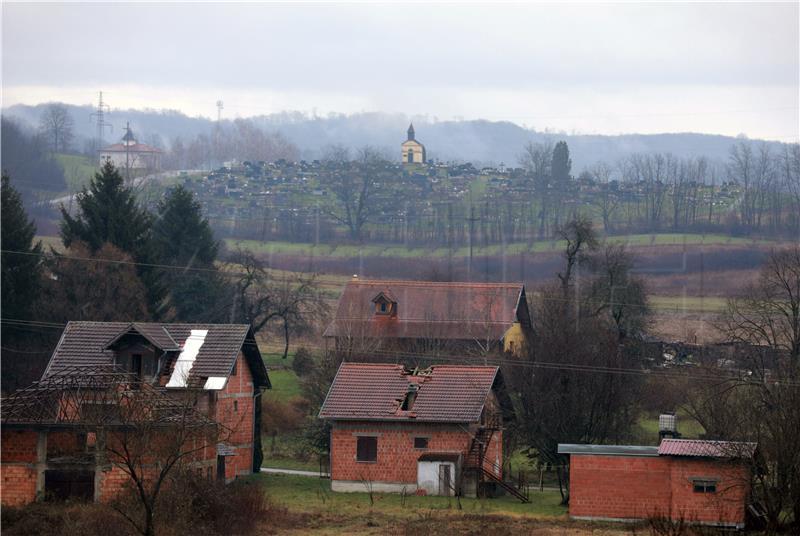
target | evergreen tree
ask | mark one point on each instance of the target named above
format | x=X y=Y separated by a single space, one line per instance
x=25 y=348
x=109 y=213
x=562 y=165
x=181 y=236
x=184 y=244
x=21 y=257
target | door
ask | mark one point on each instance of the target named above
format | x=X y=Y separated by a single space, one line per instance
x=221 y=468
x=444 y=479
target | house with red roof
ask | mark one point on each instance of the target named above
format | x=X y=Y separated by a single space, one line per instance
x=130 y=154
x=425 y=317
x=48 y=450
x=434 y=431
x=690 y=480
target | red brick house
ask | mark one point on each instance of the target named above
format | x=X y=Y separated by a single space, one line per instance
x=421 y=317
x=698 y=481
x=46 y=447
x=436 y=431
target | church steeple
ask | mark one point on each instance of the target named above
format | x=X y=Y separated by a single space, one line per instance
x=411 y=132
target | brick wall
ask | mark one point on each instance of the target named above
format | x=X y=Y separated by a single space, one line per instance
x=397 y=457
x=18 y=470
x=726 y=505
x=235 y=410
x=19 y=446
x=632 y=487
x=18 y=484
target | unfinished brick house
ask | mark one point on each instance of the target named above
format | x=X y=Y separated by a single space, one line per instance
x=436 y=431
x=697 y=481
x=428 y=317
x=50 y=430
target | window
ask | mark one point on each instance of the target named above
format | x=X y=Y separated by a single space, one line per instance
x=383 y=307
x=704 y=485
x=367 y=449
x=235 y=406
x=420 y=442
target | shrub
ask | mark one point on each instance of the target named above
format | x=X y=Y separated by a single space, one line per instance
x=283 y=416
x=303 y=362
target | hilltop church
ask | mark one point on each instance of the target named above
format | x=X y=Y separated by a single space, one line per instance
x=413 y=152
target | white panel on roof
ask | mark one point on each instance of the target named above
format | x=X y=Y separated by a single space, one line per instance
x=191 y=347
x=215 y=383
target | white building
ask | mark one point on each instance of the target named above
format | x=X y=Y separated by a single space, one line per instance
x=130 y=154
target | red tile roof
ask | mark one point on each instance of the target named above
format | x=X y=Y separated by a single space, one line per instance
x=375 y=391
x=87 y=343
x=706 y=448
x=428 y=310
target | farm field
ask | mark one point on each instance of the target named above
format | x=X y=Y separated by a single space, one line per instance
x=380 y=250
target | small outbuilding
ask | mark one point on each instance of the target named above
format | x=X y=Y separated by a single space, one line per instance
x=436 y=431
x=695 y=481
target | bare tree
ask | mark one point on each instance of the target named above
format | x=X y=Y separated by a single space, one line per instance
x=607 y=200
x=354 y=187
x=260 y=299
x=616 y=295
x=758 y=398
x=56 y=124
x=768 y=312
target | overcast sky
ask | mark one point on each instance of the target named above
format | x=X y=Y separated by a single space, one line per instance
x=726 y=68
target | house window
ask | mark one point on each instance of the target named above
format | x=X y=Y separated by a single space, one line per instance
x=420 y=442
x=704 y=485
x=383 y=307
x=367 y=449
x=235 y=406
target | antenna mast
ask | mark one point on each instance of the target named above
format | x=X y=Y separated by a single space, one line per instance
x=219 y=111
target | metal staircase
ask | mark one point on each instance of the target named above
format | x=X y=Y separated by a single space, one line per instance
x=475 y=461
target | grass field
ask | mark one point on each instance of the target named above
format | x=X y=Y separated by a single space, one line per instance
x=308 y=494
x=78 y=170
x=545 y=246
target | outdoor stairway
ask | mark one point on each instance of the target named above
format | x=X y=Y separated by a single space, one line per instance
x=522 y=496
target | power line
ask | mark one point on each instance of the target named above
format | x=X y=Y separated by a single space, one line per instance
x=499 y=361
x=232 y=273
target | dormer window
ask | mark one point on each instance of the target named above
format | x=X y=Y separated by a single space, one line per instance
x=384 y=305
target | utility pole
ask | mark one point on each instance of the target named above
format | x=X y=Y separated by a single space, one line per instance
x=128 y=138
x=99 y=116
x=472 y=219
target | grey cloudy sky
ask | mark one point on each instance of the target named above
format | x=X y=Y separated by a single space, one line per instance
x=724 y=68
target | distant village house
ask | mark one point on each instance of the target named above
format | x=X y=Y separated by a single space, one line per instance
x=130 y=154
x=424 y=317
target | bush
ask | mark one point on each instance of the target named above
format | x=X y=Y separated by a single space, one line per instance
x=279 y=416
x=67 y=519
x=303 y=362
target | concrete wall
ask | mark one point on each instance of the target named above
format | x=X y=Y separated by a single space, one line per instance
x=428 y=476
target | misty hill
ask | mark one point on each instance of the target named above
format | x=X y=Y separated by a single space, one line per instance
x=477 y=141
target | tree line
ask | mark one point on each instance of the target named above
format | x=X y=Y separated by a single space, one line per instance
x=121 y=262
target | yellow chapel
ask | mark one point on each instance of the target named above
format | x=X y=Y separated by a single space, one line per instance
x=413 y=152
